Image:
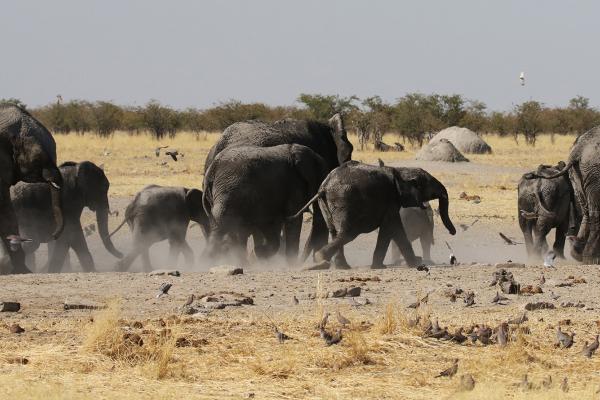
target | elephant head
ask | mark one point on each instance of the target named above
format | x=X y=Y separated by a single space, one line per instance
x=193 y=201
x=416 y=186
x=340 y=137
x=92 y=184
x=33 y=151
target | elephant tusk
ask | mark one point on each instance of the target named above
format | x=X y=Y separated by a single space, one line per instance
x=54 y=185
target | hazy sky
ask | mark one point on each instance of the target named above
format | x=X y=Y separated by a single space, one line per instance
x=196 y=53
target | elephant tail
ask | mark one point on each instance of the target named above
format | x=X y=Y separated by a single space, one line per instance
x=565 y=170
x=299 y=213
x=541 y=208
x=118 y=227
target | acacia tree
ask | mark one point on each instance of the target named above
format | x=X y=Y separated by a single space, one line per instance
x=158 y=119
x=529 y=120
x=322 y=107
x=108 y=118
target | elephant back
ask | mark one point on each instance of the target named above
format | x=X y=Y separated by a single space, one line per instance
x=18 y=122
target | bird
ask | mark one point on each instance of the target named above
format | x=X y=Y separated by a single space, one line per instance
x=542 y=279
x=89 y=230
x=189 y=301
x=508 y=240
x=450 y=372
x=412 y=322
x=499 y=298
x=458 y=336
x=549 y=259
x=519 y=320
x=564 y=340
x=502 y=334
x=528 y=215
x=341 y=319
x=15 y=241
x=329 y=338
x=554 y=296
x=173 y=154
x=114 y=213
x=465 y=227
x=295 y=300
x=381 y=163
x=422 y=300
x=323 y=322
x=452 y=257
x=522 y=78
x=164 y=289
x=589 y=350
x=564 y=386
x=158 y=149
x=469 y=299
x=281 y=337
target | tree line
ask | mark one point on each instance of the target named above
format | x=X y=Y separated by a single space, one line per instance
x=413 y=116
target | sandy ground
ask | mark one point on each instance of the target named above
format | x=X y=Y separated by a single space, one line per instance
x=400 y=363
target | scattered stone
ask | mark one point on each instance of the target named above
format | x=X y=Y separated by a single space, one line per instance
x=540 y=305
x=16 y=328
x=80 y=304
x=168 y=272
x=226 y=270
x=9 y=306
x=531 y=290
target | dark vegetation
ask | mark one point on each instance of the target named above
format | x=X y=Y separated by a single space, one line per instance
x=413 y=116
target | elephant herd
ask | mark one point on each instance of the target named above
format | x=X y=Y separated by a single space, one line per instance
x=259 y=180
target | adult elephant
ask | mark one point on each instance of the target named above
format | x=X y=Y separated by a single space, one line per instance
x=358 y=198
x=27 y=154
x=418 y=224
x=545 y=204
x=160 y=213
x=251 y=190
x=84 y=185
x=329 y=140
x=583 y=169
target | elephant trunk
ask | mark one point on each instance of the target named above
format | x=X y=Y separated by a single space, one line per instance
x=54 y=179
x=443 y=206
x=102 y=220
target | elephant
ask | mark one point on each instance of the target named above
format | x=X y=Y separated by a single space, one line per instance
x=329 y=140
x=418 y=224
x=250 y=190
x=160 y=213
x=358 y=198
x=84 y=185
x=542 y=205
x=27 y=154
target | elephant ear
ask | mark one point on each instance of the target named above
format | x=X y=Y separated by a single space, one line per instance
x=193 y=201
x=407 y=189
x=310 y=166
x=338 y=132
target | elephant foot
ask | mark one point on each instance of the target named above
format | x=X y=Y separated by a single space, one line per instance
x=323 y=265
x=591 y=260
x=21 y=270
x=381 y=266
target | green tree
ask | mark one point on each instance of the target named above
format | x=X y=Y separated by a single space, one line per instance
x=323 y=107
x=158 y=119
x=13 y=101
x=529 y=120
x=107 y=118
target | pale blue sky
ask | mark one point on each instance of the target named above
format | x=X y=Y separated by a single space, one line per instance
x=196 y=53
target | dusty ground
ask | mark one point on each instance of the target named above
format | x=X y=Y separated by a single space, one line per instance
x=234 y=353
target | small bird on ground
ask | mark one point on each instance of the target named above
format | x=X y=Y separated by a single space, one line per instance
x=564 y=340
x=15 y=241
x=542 y=279
x=89 y=230
x=554 y=296
x=452 y=257
x=281 y=337
x=114 y=213
x=508 y=240
x=341 y=319
x=589 y=350
x=458 y=336
x=466 y=227
x=499 y=298
x=158 y=149
x=450 y=372
x=331 y=339
x=189 y=301
x=564 y=386
x=549 y=259
x=295 y=300
x=419 y=302
x=519 y=320
x=323 y=322
x=164 y=289
x=469 y=299
x=173 y=154
x=528 y=215
x=502 y=334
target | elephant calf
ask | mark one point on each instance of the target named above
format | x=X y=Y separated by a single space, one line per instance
x=358 y=198
x=418 y=224
x=84 y=185
x=545 y=204
x=160 y=213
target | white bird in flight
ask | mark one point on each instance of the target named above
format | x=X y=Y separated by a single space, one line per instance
x=522 y=78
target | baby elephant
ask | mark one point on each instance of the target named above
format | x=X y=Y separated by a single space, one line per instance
x=418 y=223
x=162 y=213
x=358 y=198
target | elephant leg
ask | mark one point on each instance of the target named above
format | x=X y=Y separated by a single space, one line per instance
x=123 y=264
x=426 y=247
x=188 y=253
x=384 y=237
x=335 y=247
x=146 y=263
x=591 y=251
x=526 y=227
x=542 y=229
x=318 y=235
x=79 y=245
x=174 y=250
x=396 y=256
x=30 y=249
x=269 y=247
x=399 y=237
x=292 y=231
x=59 y=252
x=559 y=238
x=9 y=226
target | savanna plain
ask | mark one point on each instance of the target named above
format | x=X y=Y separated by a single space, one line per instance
x=141 y=346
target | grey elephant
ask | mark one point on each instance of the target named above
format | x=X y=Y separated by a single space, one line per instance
x=251 y=190
x=27 y=154
x=84 y=185
x=329 y=140
x=545 y=204
x=160 y=213
x=418 y=224
x=358 y=198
